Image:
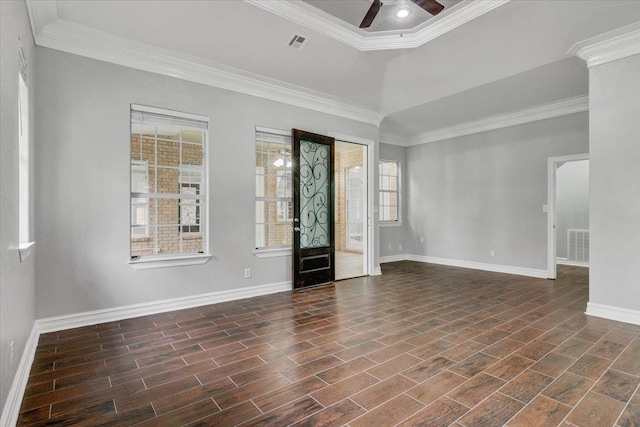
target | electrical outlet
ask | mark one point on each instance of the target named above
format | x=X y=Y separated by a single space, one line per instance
x=247 y=273
x=399 y=247
x=421 y=239
x=11 y=352
x=493 y=253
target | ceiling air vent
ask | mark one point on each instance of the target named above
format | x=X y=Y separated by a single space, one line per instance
x=299 y=42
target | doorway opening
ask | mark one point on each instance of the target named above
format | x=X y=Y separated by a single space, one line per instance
x=351 y=210
x=568 y=212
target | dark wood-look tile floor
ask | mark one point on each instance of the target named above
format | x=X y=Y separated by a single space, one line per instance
x=422 y=345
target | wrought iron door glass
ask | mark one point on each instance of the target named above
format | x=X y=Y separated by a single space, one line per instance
x=314 y=195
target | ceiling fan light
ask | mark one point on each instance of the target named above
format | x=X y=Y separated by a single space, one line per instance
x=402 y=13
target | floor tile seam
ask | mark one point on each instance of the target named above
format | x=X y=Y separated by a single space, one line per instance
x=403 y=376
x=584 y=352
x=613 y=362
x=253 y=397
x=356 y=357
x=294 y=399
x=476 y=353
x=539 y=394
x=513 y=353
x=239 y=360
x=595 y=382
x=378 y=381
x=562 y=342
x=412 y=414
x=626 y=405
x=625 y=402
x=495 y=376
x=563 y=371
x=367 y=411
x=182 y=407
x=52 y=402
x=484 y=400
x=62 y=359
x=565 y=419
x=456 y=400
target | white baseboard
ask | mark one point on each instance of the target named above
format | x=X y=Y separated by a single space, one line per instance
x=393 y=258
x=520 y=271
x=11 y=409
x=613 y=313
x=88 y=318
x=564 y=261
x=377 y=271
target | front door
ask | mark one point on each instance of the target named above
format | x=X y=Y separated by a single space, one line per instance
x=313 y=222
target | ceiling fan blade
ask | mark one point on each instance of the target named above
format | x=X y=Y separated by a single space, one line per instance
x=431 y=6
x=371 y=14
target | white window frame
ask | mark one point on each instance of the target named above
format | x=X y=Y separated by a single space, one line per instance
x=186 y=121
x=283 y=213
x=24 y=160
x=190 y=175
x=139 y=168
x=397 y=190
x=262 y=251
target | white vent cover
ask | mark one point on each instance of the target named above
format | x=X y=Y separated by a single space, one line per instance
x=299 y=42
x=578 y=245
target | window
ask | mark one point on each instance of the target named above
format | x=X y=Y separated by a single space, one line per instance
x=389 y=176
x=24 y=163
x=168 y=194
x=273 y=190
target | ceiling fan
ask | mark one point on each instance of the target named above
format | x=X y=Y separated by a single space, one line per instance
x=431 y=6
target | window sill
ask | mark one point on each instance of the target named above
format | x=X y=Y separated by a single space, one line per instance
x=390 y=224
x=272 y=253
x=25 y=250
x=176 y=261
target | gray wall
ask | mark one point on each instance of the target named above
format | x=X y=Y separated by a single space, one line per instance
x=614 y=105
x=395 y=235
x=483 y=192
x=572 y=201
x=82 y=179
x=16 y=279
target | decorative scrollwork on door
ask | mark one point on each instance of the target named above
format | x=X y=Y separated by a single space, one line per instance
x=314 y=195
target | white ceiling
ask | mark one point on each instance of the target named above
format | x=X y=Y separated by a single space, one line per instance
x=512 y=57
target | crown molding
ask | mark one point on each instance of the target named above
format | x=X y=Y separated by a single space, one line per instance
x=610 y=46
x=84 y=41
x=541 y=112
x=311 y=17
x=41 y=13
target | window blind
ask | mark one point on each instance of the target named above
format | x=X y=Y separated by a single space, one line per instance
x=140 y=116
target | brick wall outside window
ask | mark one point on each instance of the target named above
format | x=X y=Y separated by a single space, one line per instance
x=168 y=209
